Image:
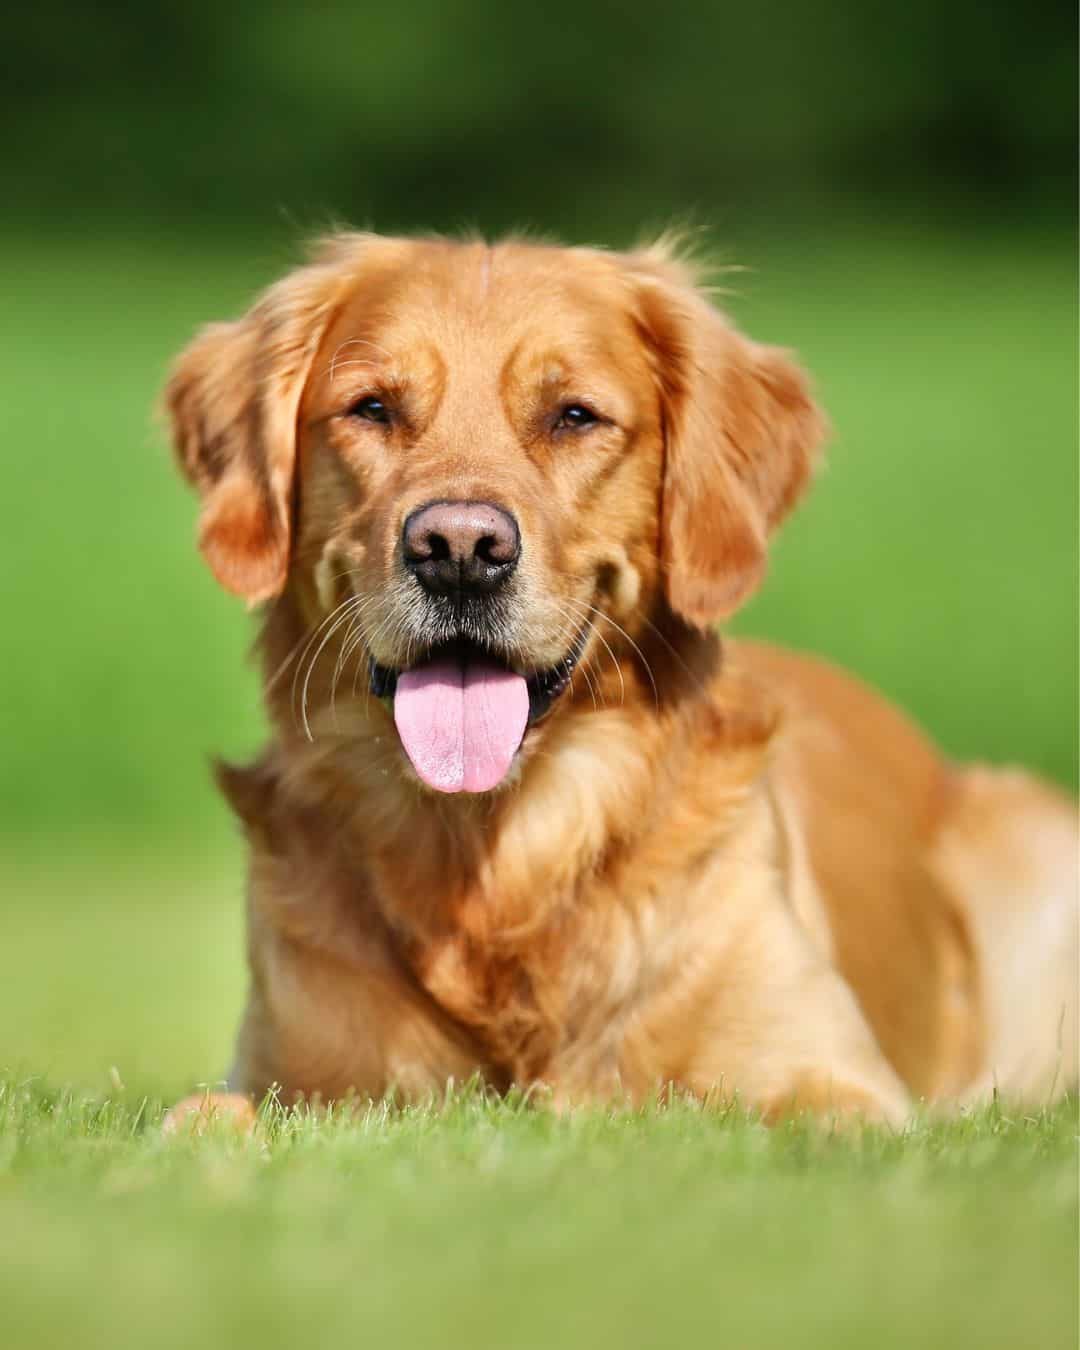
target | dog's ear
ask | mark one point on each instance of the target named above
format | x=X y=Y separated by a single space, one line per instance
x=741 y=437
x=232 y=401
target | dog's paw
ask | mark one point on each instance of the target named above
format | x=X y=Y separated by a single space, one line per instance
x=223 y=1110
x=838 y=1102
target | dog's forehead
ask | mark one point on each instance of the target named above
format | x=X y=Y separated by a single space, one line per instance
x=490 y=299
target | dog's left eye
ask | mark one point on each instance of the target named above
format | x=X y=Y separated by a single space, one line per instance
x=370 y=409
x=575 y=416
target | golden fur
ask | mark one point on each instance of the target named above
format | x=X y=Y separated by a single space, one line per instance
x=715 y=864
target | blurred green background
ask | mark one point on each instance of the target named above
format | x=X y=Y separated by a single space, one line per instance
x=898 y=182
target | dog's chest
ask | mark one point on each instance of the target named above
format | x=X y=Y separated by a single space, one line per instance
x=511 y=1002
x=528 y=996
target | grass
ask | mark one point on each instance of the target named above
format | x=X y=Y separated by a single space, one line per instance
x=936 y=556
x=121 y=962
x=485 y=1223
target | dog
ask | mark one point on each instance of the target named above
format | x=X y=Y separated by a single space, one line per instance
x=525 y=816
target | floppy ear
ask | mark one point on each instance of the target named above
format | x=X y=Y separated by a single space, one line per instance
x=232 y=401
x=741 y=436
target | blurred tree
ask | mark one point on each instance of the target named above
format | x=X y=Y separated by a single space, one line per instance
x=438 y=112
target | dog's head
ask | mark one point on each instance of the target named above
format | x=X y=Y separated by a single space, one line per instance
x=474 y=469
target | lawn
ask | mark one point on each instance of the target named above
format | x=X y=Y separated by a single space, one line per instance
x=937 y=557
x=497 y=1224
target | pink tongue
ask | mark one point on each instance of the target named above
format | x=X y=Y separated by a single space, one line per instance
x=461 y=726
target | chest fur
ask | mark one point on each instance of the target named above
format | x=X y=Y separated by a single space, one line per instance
x=531 y=985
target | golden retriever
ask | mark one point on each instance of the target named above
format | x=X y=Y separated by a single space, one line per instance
x=524 y=814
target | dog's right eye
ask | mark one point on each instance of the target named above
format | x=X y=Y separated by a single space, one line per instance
x=370 y=409
x=575 y=417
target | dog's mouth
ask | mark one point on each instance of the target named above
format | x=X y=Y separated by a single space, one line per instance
x=462 y=711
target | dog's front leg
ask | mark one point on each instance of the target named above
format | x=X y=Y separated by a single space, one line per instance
x=767 y=1022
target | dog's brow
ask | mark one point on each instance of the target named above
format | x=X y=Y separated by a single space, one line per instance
x=485 y=270
x=336 y=362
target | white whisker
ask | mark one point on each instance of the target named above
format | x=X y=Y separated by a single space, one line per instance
x=335 y=365
x=354 y=637
x=310 y=635
x=629 y=639
x=347 y=606
x=615 y=663
x=583 y=667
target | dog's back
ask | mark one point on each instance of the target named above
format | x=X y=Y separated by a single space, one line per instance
x=946 y=895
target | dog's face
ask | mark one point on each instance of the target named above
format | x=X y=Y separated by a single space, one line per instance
x=476 y=466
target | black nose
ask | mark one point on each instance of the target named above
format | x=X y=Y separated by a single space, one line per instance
x=461 y=547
